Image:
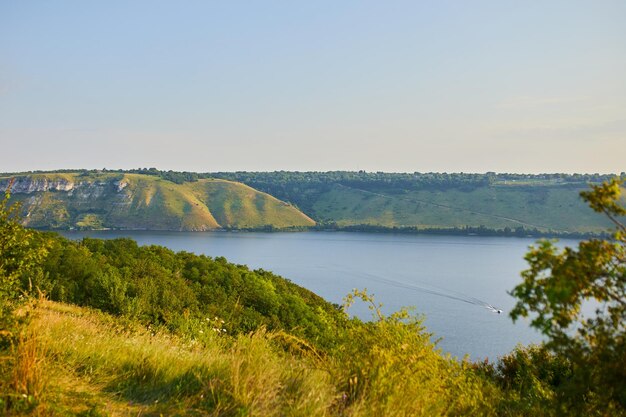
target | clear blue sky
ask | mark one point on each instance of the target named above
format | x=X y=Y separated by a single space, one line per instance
x=473 y=86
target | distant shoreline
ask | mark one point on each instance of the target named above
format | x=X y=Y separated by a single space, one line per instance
x=464 y=231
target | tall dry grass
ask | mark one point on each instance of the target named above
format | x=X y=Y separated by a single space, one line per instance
x=23 y=363
x=247 y=375
x=125 y=369
x=28 y=376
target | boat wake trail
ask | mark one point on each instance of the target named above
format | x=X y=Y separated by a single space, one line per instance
x=429 y=289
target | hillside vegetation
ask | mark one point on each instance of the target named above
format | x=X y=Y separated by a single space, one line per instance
x=164 y=333
x=182 y=292
x=542 y=203
x=508 y=204
x=134 y=201
x=494 y=207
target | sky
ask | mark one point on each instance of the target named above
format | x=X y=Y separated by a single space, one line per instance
x=396 y=86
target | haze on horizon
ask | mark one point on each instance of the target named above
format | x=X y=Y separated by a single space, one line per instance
x=402 y=86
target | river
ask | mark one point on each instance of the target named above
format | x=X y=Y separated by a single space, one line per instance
x=451 y=280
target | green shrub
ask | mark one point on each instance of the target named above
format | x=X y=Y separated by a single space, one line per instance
x=390 y=367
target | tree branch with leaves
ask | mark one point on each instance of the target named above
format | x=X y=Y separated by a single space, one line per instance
x=556 y=287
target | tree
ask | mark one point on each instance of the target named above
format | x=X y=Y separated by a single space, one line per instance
x=558 y=283
x=21 y=255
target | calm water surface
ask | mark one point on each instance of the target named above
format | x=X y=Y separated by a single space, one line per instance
x=443 y=277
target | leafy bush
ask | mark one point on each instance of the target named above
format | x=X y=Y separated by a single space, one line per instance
x=530 y=378
x=389 y=367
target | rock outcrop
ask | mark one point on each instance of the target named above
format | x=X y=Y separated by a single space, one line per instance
x=29 y=185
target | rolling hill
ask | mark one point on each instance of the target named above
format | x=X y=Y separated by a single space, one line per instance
x=149 y=199
x=549 y=203
x=497 y=207
x=134 y=201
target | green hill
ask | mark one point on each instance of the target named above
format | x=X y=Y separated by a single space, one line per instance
x=547 y=202
x=495 y=207
x=134 y=201
x=167 y=200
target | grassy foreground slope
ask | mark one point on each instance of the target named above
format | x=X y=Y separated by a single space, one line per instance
x=90 y=363
x=133 y=201
x=96 y=365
